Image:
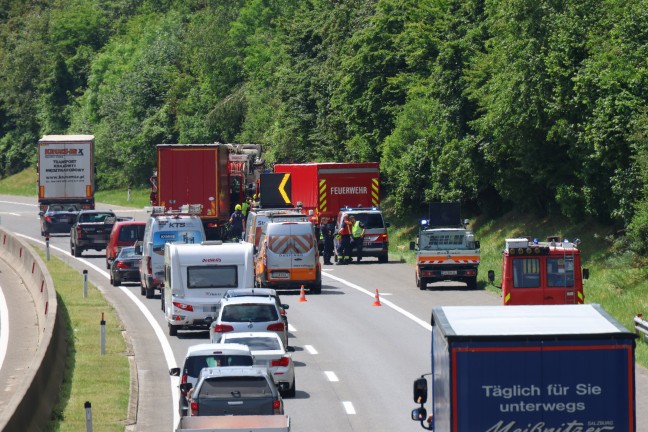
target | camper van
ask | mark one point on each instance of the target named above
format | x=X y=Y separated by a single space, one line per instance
x=287 y=257
x=162 y=228
x=197 y=276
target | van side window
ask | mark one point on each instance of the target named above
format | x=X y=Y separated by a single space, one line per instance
x=526 y=272
x=212 y=276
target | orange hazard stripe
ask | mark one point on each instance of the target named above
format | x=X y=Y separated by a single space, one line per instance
x=442 y=259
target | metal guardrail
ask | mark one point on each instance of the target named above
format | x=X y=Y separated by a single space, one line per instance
x=641 y=326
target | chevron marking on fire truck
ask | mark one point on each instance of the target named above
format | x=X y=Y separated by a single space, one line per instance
x=323 y=207
x=375 y=192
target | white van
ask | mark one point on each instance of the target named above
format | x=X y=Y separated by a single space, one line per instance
x=258 y=218
x=162 y=228
x=198 y=275
x=288 y=257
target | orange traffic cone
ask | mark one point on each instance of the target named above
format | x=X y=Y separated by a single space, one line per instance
x=302 y=295
x=377 y=302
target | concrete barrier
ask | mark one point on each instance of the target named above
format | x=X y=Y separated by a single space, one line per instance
x=31 y=405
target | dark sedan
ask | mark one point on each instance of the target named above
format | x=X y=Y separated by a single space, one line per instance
x=125 y=268
x=58 y=218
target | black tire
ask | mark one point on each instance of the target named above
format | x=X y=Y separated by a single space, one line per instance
x=75 y=250
x=173 y=330
x=317 y=288
x=290 y=393
x=471 y=283
x=150 y=293
x=115 y=282
x=107 y=265
x=162 y=300
x=142 y=290
x=383 y=258
x=422 y=284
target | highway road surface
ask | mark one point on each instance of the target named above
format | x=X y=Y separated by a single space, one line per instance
x=355 y=362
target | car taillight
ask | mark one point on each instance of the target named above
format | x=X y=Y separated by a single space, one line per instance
x=223 y=328
x=282 y=362
x=183 y=306
x=182 y=381
x=79 y=232
x=123 y=265
x=149 y=270
x=276 y=406
x=276 y=327
x=194 y=408
x=385 y=237
x=48 y=219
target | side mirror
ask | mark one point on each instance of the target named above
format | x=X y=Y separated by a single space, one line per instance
x=419 y=414
x=412 y=246
x=420 y=390
x=185 y=387
x=41 y=213
x=174 y=371
x=585 y=273
x=477 y=244
x=387 y=224
x=491 y=276
x=285 y=306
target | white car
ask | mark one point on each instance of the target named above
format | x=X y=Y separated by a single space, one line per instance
x=268 y=350
x=248 y=314
x=201 y=356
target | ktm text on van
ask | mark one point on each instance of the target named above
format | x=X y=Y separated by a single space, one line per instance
x=161 y=229
x=197 y=276
x=288 y=257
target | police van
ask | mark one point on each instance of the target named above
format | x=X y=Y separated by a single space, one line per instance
x=197 y=276
x=288 y=257
x=162 y=228
x=376 y=239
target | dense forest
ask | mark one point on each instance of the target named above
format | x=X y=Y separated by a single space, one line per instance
x=538 y=105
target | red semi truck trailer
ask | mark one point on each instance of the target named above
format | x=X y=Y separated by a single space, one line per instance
x=194 y=174
x=325 y=188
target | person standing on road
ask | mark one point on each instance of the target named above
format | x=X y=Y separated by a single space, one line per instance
x=245 y=207
x=344 y=254
x=357 y=234
x=327 y=230
x=237 y=223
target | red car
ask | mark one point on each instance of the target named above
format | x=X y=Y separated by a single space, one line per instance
x=124 y=233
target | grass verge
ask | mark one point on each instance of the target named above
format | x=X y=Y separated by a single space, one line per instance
x=103 y=380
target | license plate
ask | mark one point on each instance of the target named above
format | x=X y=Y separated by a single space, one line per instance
x=280 y=275
x=448 y=272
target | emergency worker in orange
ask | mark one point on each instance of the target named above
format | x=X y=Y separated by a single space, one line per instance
x=344 y=254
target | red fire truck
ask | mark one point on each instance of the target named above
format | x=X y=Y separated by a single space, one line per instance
x=535 y=273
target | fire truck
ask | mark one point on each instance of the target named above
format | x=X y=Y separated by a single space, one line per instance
x=536 y=272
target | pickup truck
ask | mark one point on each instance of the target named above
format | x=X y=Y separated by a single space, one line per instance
x=91 y=230
x=230 y=399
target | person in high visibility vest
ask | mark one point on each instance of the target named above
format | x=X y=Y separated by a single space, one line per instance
x=357 y=234
x=245 y=206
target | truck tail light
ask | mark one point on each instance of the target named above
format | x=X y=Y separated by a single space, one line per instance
x=182 y=381
x=282 y=362
x=79 y=232
x=223 y=328
x=194 y=408
x=183 y=306
x=149 y=270
x=276 y=406
x=123 y=265
x=276 y=327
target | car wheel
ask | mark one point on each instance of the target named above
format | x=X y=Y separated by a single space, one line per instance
x=173 y=330
x=421 y=283
x=114 y=282
x=317 y=288
x=383 y=258
x=290 y=393
x=142 y=290
x=150 y=293
x=471 y=283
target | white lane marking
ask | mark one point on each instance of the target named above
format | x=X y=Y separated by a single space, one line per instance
x=4 y=327
x=164 y=343
x=13 y=214
x=19 y=203
x=331 y=376
x=291 y=328
x=398 y=309
x=310 y=349
x=348 y=407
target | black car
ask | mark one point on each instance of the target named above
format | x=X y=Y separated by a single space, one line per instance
x=125 y=268
x=58 y=218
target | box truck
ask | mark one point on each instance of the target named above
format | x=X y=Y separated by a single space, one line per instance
x=535 y=368
x=195 y=175
x=66 y=171
x=323 y=189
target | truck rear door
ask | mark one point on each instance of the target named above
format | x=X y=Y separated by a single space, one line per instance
x=235 y=396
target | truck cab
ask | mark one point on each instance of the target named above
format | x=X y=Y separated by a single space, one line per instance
x=537 y=273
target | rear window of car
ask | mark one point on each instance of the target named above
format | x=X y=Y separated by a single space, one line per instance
x=249 y=312
x=131 y=233
x=212 y=276
x=194 y=364
x=370 y=220
x=238 y=387
x=257 y=343
x=97 y=217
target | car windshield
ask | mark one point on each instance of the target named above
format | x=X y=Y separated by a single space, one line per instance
x=443 y=240
x=194 y=364
x=249 y=312
x=257 y=343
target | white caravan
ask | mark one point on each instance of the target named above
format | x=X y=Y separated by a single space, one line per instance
x=197 y=276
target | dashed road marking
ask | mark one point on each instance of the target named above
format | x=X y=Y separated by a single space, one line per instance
x=331 y=376
x=310 y=349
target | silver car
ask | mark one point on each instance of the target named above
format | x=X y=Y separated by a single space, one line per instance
x=248 y=314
